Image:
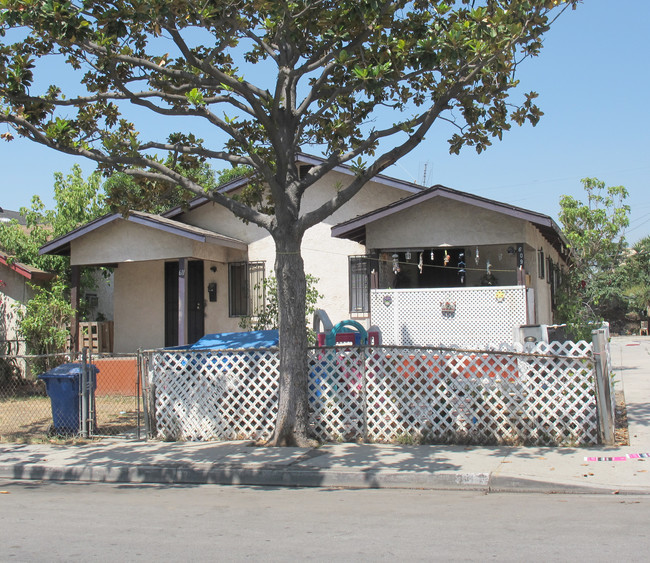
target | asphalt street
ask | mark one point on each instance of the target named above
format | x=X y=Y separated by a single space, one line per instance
x=109 y=522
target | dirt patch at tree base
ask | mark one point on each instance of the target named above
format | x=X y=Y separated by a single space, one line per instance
x=621 y=434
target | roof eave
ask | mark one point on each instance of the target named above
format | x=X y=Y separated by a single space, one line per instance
x=301 y=158
x=355 y=229
x=26 y=271
x=61 y=245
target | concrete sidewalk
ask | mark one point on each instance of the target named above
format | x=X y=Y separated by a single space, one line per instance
x=498 y=468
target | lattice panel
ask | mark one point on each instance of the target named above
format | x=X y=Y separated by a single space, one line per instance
x=480 y=398
x=482 y=317
x=544 y=396
x=336 y=393
x=215 y=395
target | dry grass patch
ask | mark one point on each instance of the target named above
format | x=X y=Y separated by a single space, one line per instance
x=28 y=419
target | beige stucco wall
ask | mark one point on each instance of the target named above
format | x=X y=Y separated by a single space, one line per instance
x=214 y=217
x=543 y=305
x=441 y=222
x=14 y=292
x=139 y=311
x=125 y=241
x=216 y=312
x=325 y=257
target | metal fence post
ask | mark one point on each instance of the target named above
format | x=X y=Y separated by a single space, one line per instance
x=603 y=387
x=145 y=365
x=364 y=394
x=84 y=393
x=138 y=375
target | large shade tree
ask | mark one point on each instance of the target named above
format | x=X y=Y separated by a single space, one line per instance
x=360 y=81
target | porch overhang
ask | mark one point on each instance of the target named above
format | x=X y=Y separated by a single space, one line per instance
x=355 y=229
x=139 y=236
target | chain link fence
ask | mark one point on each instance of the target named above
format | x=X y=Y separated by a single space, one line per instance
x=110 y=406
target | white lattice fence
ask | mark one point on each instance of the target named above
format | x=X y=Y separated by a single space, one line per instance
x=481 y=397
x=467 y=317
x=336 y=393
x=222 y=395
x=544 y=396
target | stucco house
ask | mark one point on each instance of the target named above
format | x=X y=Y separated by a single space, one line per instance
x=194 y=271
x=16 y=288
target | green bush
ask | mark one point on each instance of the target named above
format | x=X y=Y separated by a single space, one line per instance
x=44 y=324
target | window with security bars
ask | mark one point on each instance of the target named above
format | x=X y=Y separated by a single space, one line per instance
x=362 y=272
x=245 y=288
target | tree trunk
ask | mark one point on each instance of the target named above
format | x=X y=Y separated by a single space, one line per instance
x=292 y=424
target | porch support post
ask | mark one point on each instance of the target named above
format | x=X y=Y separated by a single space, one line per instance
x=521 y=264
x=75 y=283
x=182 y=300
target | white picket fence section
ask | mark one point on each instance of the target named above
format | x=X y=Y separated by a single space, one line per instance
x=544 y=396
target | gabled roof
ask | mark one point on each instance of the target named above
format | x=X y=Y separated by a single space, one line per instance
x=379 y=178
x=301 y=158
x=61 y=245
x=6 y=215
x=202 y=200
x=24 y=270
x=355 y=229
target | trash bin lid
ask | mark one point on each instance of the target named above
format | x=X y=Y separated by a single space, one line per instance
x=67 y=370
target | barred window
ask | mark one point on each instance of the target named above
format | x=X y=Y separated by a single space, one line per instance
x=245 y=288
x=360 y=280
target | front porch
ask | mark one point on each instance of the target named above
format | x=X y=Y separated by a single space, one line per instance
x=173 y=282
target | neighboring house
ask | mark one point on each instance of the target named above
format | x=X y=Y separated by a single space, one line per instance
x=97 y=298
x=194 y=271
x=6 y=216
x=16 y=289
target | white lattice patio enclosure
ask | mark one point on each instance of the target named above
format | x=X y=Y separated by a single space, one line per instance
x=471 y=317
x=384 y=394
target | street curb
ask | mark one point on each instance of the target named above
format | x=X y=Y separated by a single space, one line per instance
x=246 y=475
x=282 y=476
x=503 y=484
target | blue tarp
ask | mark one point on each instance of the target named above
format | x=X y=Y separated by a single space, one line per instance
x=234 y=341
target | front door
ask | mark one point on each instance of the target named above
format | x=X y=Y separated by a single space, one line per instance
x=195 y=302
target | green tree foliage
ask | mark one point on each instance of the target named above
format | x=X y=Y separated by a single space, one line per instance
x=268 y=317
x=362 y=81
x=592 y=290
x=636 y=273
x=44 y=324
x=76 y=201
x=127 y=192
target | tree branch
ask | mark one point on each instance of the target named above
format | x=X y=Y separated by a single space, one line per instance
x=142 y=167
x=380 y=164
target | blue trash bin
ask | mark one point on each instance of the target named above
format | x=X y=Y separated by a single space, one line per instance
x=63 y=384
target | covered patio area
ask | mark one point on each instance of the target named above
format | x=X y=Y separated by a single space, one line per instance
x=167 y=277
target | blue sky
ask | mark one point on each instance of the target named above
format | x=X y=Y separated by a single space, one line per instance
x=593 y=82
